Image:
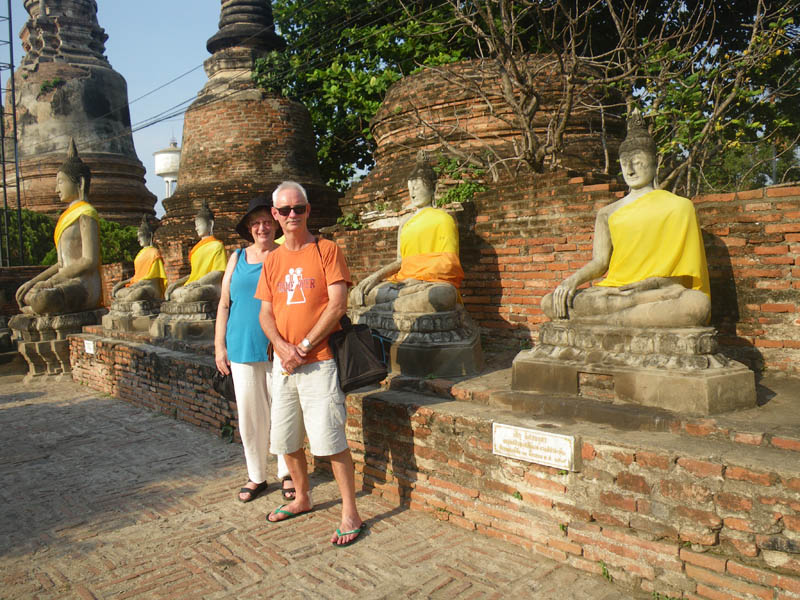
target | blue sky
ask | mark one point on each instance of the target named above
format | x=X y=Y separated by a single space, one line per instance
x=149 y=43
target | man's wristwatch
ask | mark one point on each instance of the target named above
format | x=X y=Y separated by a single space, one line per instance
x=306 y=345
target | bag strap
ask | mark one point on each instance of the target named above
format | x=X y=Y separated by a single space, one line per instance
x=344 y=322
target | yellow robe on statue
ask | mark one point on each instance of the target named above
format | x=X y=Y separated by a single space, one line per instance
x=429 y=248
x=72 y=214
x=148 y=264
x=657 y=235
x=207 y=255
x=68 y=217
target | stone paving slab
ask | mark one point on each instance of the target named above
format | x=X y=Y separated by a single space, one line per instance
x=100 y=499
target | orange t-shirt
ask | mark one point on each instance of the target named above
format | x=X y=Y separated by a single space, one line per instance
x=296 y=284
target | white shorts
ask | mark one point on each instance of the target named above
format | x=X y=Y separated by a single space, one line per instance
x=310 y=396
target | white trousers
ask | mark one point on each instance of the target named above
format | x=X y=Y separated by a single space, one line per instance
x=252 y=384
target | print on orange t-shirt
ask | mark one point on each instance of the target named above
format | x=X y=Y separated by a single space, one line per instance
x=296 y=284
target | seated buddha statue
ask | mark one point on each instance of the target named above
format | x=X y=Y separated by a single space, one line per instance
x=73 y=283
x=649 y=246
x=208 y=261
x=149 y=278
x=427 y=272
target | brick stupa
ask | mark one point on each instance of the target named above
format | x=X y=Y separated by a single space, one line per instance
x=66 y=89
x=239 y=140
x=476 y=123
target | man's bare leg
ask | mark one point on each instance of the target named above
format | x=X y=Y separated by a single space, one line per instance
x=298 y=469
x=344 y=472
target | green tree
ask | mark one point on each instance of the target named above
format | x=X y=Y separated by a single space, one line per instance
x=37 y=236
x=715 y=77
x=720 y=90
x=341 y=58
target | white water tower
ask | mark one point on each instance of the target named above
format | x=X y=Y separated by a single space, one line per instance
x=167 y=162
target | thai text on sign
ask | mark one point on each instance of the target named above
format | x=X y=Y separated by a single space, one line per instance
x=532 y=445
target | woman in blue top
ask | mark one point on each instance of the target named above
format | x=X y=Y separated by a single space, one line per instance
x=240 y=346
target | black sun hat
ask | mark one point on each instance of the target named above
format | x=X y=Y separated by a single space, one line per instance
x=256 y=203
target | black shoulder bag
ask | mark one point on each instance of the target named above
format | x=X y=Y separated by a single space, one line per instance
x=358 y=352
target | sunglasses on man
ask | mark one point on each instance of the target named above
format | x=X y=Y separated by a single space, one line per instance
x=284 y=211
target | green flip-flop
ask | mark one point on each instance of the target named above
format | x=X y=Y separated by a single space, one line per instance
x=290 y=514
x=357 y=531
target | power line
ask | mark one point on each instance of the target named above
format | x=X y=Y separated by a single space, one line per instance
x=180 y=108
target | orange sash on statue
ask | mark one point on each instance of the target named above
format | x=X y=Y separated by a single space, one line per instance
x=148 y=264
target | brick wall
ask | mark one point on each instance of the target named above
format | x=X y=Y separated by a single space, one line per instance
x=658 y=512
x=172 y=381
x=698 y=510
x=520 y=239
x=10 y=280
x=112 y=274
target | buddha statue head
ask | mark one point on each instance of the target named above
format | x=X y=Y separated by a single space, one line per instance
x=422 y=182
x=145 y=233
x=74 y=177
x=637 y=154
x=204 y=221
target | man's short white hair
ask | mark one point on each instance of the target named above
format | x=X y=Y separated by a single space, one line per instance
x=289 y=185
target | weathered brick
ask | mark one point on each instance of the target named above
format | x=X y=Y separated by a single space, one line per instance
x=588 y=452
x=733 y=502
x=752 y=439
x=753 y=575
x=792 y=522
x=678 y=490
x=705 y=560
x=701 y=468
x=742 y=474
x=700 y=517
x=650 y=459
x=452 y=487
x=618 y=501
x=633 y=483
x=738 y=524
x=786 y=443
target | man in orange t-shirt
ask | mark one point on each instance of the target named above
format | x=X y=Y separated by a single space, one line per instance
x=303 y=293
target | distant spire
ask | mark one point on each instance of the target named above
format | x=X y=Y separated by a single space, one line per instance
x=245 y=23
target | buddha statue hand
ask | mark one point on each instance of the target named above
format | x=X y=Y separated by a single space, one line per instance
x=562 y=297
x=117 y=287
x=22 y=291
x=359 y=293
x=171 y=288
x=28 y=290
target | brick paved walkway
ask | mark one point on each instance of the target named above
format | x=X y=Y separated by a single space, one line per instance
x=100 y=499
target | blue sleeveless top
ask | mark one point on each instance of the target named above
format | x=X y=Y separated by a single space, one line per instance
x=244 y=337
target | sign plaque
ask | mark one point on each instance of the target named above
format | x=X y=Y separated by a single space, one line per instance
x=533 y=445
x=88 y=346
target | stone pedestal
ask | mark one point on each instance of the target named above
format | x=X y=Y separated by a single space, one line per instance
x=676 y=369
x=42 y=339
x=131 y=317
x=445 y=344
x=188 y=321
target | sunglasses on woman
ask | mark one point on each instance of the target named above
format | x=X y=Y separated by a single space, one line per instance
x=298 y=209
